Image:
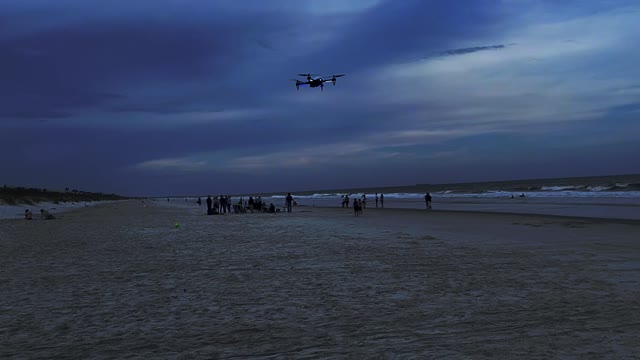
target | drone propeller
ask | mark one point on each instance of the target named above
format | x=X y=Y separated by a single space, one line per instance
x=333 y=79
x=307 y=75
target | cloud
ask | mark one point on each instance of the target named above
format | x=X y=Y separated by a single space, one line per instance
x=70 y=64
x=172 y=164
x=367 y=150
x=508 y=89
x=469 y=50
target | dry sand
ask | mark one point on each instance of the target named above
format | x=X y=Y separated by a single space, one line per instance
x=120 y=281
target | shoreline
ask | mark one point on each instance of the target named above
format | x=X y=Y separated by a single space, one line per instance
x=609 y=208
x=626 y=209
x=17 y=211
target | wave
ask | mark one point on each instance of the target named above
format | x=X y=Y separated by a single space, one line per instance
x=593 y=192
x=561 y=188
x=618 y=188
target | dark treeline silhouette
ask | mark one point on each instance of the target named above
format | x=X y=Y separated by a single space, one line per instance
x=23 y=195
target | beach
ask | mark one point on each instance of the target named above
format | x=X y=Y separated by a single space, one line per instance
x=159 y=279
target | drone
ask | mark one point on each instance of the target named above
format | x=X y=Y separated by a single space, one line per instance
x=314 y=81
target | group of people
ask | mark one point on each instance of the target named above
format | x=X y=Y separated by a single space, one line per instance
x=362 y=202
x=44 y=215
x=219 y=205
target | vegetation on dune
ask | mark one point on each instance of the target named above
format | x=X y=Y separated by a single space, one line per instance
x=30 y=196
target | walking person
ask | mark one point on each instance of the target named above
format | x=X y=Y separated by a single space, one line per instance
x=427 y=200
x=209 y=204
x=376 y=200
x=382 y=201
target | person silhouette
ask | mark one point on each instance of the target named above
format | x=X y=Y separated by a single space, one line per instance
x=209 y=204
x=289 y=202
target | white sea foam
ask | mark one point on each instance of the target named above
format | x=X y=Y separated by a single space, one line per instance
x=558 y=188
x=594 y=192
x=17 y=211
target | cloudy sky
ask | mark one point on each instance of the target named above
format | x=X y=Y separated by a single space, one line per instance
x=159 y=97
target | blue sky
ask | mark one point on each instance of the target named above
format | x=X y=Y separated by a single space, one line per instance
x=174 y=97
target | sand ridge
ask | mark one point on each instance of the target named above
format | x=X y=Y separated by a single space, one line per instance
x=119 y=280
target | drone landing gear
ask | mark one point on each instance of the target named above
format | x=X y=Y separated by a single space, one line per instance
x=321 y=87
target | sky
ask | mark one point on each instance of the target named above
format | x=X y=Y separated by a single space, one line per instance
x=172 y=97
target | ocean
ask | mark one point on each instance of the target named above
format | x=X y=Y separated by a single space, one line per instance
x=617 y=186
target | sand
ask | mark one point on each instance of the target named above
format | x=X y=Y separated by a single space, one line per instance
x=600 y=207
x=121 y=281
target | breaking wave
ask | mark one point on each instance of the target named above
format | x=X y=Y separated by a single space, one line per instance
x=545 y=191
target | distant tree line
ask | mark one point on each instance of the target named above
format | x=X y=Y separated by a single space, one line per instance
x=23 y=195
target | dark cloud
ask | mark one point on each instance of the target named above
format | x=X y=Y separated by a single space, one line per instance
x=71 y=66
x=402 y=30
x=469 y=50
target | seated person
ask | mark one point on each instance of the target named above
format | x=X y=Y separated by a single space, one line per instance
x=272 y=208
x=46 y=215
x=238 y=209
x=28 y=215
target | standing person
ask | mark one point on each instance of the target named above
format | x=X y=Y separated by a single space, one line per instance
x=229 y=204
x=364 y=201
x=216 y=205
x=289 y=202
x=427 y=200
x=382 y=201
x=356 y=208
x=209 y=204
x=376 y=200
x=199 y=201
x=223 y=205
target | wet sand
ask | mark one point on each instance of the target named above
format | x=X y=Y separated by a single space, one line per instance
x=120 y=280
x=600 y=207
